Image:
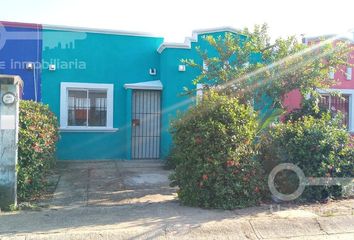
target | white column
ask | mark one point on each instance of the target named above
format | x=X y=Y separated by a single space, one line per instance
x=9 y=111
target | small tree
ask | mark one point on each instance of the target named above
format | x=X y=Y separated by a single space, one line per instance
x=214 y=155
x=215 y=141
x=253 y=68
x=38 y=135
x=318 y=146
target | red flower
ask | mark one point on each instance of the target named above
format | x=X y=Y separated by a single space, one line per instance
x=256 y=189
x=205 y=177
x=230 y=163
x=29 y=181
x=37 y=148
x=198 y=140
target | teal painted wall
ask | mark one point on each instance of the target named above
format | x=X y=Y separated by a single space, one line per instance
x=97 y=58
x=116 y=59
x=173 y=99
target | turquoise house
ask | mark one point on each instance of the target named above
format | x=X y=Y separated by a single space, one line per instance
x=115 y=93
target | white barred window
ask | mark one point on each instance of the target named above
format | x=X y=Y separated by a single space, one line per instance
x=86 y=106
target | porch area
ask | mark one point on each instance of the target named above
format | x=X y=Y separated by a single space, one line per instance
x=110 y=183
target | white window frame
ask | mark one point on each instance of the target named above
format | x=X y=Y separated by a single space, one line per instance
x=331 y=72
x=64 y=90
x=350 y=93
x=349 y=73
x=205 y=66
x=199 y=92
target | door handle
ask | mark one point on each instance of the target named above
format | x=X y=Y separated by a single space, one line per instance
x=136 y=122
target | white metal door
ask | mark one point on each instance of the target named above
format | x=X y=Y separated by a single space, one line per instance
x=146 y=114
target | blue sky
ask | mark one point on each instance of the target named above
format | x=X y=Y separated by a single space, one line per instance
x=175 y=20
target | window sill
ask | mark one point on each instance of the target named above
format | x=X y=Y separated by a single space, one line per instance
x=88 y=129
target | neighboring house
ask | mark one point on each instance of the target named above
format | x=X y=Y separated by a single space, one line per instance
x=20 y=48
x=345 y=78
x=115 y=93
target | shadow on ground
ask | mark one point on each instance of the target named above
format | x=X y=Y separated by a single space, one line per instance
x=111 y=183
x=130 y=194
x=120 y=200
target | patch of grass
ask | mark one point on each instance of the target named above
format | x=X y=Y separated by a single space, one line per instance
x=28 y=206
x=328 y=214
x=13 y=208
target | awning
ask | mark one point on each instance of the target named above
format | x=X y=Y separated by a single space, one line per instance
x=149 y=85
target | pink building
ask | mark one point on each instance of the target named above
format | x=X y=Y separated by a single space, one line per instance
x=345 y=79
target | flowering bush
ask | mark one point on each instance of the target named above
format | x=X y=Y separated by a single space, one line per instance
x=214 y=155
x=38 y=134
x=320 y=147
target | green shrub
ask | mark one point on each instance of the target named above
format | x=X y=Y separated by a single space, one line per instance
x=214 y=155
x=172 y=159
x=309 y=107
x=38 y=134
x=318 y=146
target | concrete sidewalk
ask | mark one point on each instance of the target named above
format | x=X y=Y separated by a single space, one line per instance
x=111 y=183
x=132 y=200
x=169 y=220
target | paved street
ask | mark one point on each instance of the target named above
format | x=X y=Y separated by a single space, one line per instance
x=111 y=200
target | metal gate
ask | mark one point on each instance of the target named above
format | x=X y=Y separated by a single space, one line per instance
x=146 y=117
x=337 y=104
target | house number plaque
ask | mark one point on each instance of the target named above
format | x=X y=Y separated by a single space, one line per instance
x=8 y=98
